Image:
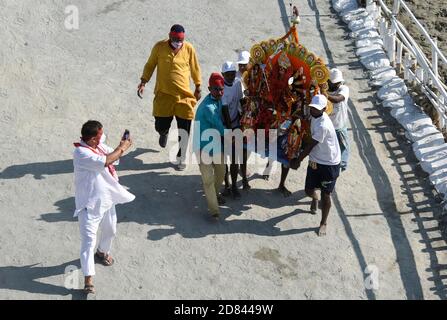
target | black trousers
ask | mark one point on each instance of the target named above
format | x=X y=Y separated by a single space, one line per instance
x=163 y=124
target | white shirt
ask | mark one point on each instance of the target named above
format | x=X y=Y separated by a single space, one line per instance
x=327 y=150
x=95 y=188
x=231 y=97
x=339 y=116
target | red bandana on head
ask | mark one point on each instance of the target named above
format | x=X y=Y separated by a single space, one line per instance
x=177 y=35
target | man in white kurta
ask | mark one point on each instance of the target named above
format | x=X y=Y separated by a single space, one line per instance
x=97 y=191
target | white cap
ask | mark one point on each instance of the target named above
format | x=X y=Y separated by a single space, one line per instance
x=319 y=102
x=228 y=66
x=243 y=58
x=336 y=76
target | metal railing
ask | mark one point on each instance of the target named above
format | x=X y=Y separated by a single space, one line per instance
x=404 y=52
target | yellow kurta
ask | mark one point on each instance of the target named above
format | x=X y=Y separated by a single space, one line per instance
x=173 y=95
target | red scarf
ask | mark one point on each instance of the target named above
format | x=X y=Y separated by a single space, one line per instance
x=101 y=152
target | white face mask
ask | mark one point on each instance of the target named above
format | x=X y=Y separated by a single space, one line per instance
x=176 y=44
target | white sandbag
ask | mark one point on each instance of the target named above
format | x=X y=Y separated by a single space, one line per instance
x=433 y=152
x=366 y=51
x=431 y=140
x=344 y=5
x=407 y=118
x=391 y=104
x=441 y=185
x=380 y=72
x=396 y=85
x=439 y=179
x=383 y=81
x=365 y=33
x=400 y=112
x=368 y=42
x=430 y=165
x=421 y=130
x=353 y=15
x=375 y=61
x=361 y=23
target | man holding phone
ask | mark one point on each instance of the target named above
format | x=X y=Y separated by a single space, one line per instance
x=97 y=191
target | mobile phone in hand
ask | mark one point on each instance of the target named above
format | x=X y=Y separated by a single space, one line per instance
x=126 y=135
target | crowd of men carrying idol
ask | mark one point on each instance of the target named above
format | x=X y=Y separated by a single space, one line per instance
x=97 y=189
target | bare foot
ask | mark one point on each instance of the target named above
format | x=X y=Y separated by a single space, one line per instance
x=322 y=230
x=285 y=192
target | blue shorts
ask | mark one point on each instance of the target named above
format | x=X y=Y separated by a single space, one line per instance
x=320 y=176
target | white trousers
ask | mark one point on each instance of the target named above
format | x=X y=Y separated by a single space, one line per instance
x=89 y=224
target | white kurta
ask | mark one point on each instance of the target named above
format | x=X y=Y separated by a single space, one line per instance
x=97 y=192
x=95 y=188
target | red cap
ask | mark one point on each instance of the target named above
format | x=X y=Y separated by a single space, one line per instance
x=216 y=79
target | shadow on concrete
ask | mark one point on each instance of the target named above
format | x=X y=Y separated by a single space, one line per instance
x=160 y=201
x=41 y=169
x=26 y=278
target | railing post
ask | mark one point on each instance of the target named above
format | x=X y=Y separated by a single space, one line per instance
x=396 y=7
x=442 y=106
x=420 y=74
x=371 y=8
x=399 y=51
x=391 y=46
x=383 y=27
x=399 y=57
x=395 y=12
x=407 y=64
x=434 y=58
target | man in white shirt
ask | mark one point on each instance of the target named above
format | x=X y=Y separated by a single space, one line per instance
x=324 y=159
x=97 y=191
x=231 y=111
x=339 y=95
x=242 y=62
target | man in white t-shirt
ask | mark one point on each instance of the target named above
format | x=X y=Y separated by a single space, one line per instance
x=339 y=95
x=242 y=62
x=97 y=191
x=231 y=113
x=324 y=159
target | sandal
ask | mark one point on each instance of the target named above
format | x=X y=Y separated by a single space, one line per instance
x=104 y=259
x=89 y=288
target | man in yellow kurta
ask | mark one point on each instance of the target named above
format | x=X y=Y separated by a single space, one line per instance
x=176 y=62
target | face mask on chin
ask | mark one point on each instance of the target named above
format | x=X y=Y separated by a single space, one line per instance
x=316 y=117
x=332 y=87
x=176 y=44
